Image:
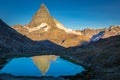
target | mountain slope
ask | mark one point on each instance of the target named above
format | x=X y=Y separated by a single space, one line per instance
x=11 y=39
x=13 y=42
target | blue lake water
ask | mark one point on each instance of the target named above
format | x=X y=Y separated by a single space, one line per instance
x=46 y=65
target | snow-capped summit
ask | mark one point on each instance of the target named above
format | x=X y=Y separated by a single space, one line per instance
x=40 y=17
x=44 y=27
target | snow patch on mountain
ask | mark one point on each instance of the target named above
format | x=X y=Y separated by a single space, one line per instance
x=70 y=31
x=97 y=36
x=43 y=26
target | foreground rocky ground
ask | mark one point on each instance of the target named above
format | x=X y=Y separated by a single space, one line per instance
x=101 y=60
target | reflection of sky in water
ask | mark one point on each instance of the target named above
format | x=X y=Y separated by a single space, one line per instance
x=21 y=66
x=26 y=67
x=63 y=67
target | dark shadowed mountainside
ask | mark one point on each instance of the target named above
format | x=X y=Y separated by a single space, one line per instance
x=13 y=42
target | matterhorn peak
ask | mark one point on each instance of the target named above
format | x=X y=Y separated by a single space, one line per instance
x=43 y=9
x=41 y=18
x=43 y=6
x=45 y=27
x=43 y=21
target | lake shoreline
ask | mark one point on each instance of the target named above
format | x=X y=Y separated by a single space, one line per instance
x=7 y=58
x=102 y=61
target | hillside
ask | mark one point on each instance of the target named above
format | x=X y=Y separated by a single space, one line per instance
x=101 y=57
x=13 y=42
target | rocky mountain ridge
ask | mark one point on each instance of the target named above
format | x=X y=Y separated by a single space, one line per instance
x=111 y=31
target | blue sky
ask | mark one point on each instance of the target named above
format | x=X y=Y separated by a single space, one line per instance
x=75 y=14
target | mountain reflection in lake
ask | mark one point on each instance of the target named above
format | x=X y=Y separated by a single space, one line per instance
x=47 y=65
x=43 y=62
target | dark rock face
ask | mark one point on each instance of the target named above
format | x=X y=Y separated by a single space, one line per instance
x=11 y=39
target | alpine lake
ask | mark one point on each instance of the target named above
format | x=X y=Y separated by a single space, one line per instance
x=37 y=66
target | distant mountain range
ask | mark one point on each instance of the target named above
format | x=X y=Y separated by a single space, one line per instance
x=111 y=31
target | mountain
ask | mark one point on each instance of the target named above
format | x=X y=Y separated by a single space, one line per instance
x=44 y=27
x=13 y=42
x=91 y=32
x=111 y=31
